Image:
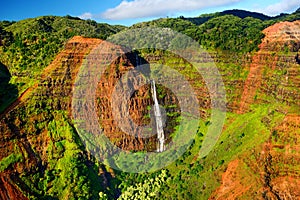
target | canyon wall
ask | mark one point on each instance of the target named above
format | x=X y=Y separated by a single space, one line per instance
x=269 y=76
x=273 y=78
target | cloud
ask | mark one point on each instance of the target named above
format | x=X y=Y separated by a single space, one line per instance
x=281 y=7
x=154 y=8
x=86 y=15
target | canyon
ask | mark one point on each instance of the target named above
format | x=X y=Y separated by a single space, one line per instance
x=268 y=169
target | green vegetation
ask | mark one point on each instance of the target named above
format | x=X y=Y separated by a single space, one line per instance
x=191 y=177
x=28 y=46
x=226 y=32
x=149 y=189
x=58 y=165
x=9 y=160
x=238 y=13
x=179 y=25
x=231 y=33
x=66 y=170
x=36 y=41
x=66 y=174
x=234 y=30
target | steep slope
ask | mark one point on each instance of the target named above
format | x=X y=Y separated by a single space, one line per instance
x=259 y=100
x=270 y=170
x=277 y=54
x=256 y=156
x=28 y=46
x=38 y=139
x=139 y=106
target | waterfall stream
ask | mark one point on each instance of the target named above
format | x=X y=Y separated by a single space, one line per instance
x=157 y=115
x=158 y=120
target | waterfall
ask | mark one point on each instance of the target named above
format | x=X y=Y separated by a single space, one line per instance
x=158 y=120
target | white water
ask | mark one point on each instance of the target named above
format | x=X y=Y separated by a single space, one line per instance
x=158 y=120
x=157 y=115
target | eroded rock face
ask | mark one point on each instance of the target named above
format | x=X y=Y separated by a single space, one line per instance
x=138 y=105
x=273 y=72
x=59 y=77
x=18 y=126
x=8 y=189
x=22 y=134
x=273 y=77
x=273 y=174
x=282 y=36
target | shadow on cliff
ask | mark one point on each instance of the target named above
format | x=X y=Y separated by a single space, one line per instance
x=139 y=104
x=297 y=58
x=8 y=91
x=140 y=63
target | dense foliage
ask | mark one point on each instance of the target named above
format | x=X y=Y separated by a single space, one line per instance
x=238 y=13
x=231 y=33
x=28 y=46
x=233 y=30
x=226 y=32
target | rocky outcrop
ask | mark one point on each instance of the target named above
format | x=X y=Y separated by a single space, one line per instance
x=273 y=170
x=273 y=75
x=274 y=70
x=24 y=131
x=24 y=125
x=281 y=37
x=58 y=78
x=231 y=187
x=139 y=106
x=8 y=188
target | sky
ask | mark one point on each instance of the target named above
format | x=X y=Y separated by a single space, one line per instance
x=128 y=12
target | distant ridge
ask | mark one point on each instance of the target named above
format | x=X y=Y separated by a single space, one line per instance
x=243 y=14
x=238 y=13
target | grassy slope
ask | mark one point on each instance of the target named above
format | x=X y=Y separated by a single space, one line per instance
x=189 y=177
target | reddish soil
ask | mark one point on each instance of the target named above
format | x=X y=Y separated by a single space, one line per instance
x=56 y=62
x=75 y=51
x=252 y=83
x=277 y=161
x=289 y=131
x=8 y=189
x=278 y=36
x=231 y=187
x=289 y=187
x=86 y=45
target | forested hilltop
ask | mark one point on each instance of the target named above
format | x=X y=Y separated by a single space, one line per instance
x=256 y=155
x=28 y=46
